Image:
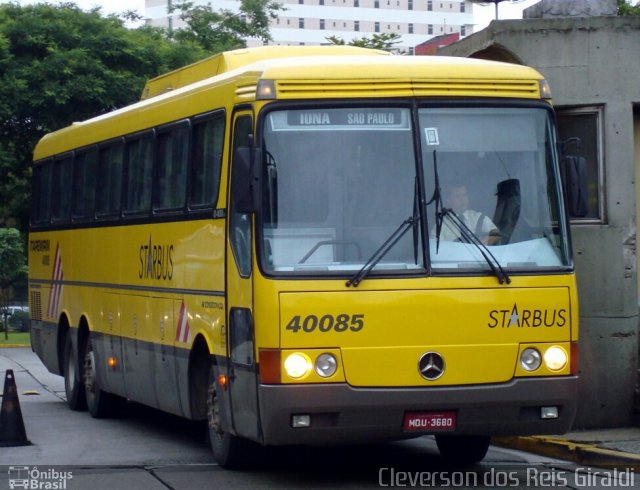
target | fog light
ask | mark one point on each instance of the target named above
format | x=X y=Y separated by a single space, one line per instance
x=298 y=421
x=548 y=413
x=530 y=359
x=297 y=365
x=326 y=365
x=555 y=358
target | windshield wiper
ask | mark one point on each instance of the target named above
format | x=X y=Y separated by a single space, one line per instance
x=416 y=216
x=378 y=255
x=469 y=236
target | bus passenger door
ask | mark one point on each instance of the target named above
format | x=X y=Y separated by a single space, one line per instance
x=243 y=392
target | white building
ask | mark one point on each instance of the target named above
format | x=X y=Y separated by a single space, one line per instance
x=310 y=22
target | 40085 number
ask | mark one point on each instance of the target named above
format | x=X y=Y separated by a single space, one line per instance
x=326 y=323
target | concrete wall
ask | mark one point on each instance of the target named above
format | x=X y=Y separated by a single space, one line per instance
x=592 y=61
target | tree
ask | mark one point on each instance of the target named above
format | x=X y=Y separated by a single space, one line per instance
x=12 y=268
x=58 y=65
x=625 y=8
x=385 y=41
x=224 y=30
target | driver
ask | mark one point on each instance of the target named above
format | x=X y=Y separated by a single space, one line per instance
x=477 y=222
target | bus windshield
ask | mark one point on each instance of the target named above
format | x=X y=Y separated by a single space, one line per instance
x=495 y=169
x=338 y=183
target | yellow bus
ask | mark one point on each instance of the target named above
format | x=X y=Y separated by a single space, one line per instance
x=313 y=245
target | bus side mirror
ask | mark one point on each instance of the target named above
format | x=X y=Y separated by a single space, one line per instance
x=245 y=179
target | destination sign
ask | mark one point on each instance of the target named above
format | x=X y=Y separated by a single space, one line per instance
x=340 y=119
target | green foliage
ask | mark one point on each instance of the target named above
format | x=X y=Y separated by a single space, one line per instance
x=217 y=31
x=626 y=8
x=13 y=266
x=12 y=259
x=385 y=41
x=19 y=321
x=58 y=65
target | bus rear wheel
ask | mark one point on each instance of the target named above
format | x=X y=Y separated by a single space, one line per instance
x=463 y=450
x=100 y=403
x=73 y=385
x=229 y=451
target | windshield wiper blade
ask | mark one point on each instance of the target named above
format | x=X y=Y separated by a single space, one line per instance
x=470 y=237
x=437 y=199
x=379 y=254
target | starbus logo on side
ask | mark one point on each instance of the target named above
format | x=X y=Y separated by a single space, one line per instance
x=156 y=261
x=532 y=318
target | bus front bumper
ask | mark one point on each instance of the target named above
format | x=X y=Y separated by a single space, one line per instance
x=340 y=414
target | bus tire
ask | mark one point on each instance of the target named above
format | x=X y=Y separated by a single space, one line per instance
x=463 y=450
x=229 y=451
x=100 y=403
x=71 y=370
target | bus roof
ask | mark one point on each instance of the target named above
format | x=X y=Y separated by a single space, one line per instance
x=354 y=72
x=231 y=60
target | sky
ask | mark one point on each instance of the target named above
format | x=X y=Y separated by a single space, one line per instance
x=484 y=15
x=506 y=10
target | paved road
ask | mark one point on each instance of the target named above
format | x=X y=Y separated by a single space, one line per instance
x=150 y=450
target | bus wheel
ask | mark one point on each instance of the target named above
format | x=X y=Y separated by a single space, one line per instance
x=100 y=403
x=228 y=450
x=73 y=386
x=463 y=450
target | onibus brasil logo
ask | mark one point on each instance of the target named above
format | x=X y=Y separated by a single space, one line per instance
x=33 y=478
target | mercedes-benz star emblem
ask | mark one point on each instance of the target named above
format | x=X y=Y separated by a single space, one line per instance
x=431 y=366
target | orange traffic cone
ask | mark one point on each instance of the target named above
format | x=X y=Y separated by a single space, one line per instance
x=12 y=432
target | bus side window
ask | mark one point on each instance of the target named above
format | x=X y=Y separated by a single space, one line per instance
x=139 y=153
x=84 y=184
x=240 y=223
x=61 y=196
x=109 y=192
x=41 y=193
x=171 y=169
x=206 y=159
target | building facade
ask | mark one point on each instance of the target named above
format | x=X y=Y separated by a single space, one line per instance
x=591 y=65
x=311 y=22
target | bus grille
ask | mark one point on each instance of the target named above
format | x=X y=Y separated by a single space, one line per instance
x=35 y=305
x=417 y=88
x=246 y=91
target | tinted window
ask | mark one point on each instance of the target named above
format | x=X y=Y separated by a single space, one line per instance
x=208 y=139
x=84 y=183
x=109 y=189
x=171 y=172
x=61 y=196
x=240 y=223
x=41 y=194
x=139 y=174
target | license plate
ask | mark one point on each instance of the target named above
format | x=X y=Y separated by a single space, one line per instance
x=429 y=421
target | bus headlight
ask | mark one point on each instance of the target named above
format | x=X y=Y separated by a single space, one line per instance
x=326 y=365
x=297 y=365
x=555 y=358
x=530 y=359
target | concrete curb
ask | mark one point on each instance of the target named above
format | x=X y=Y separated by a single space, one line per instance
x=2 y=346
x=580 y=453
